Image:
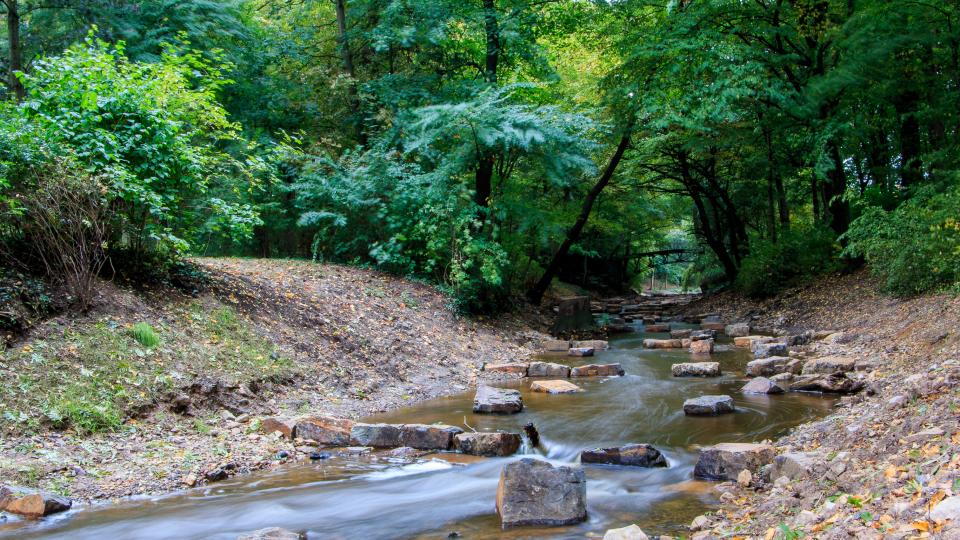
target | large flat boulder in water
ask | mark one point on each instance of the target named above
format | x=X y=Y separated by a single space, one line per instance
x=696 y=369
x=488 y=443
x=708 y=406
x=497 y=400
x=534 y=492
x=725 y=461
x=635 y=455
x=597 y=370
x=595 y=344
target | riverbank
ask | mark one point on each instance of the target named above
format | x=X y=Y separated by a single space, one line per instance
x=93 y=409
x=886 y=463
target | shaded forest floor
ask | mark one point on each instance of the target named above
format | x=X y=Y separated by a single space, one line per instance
x=887 y=458
x=88 y=411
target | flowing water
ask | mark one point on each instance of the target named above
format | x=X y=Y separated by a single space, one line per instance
x=430 y=498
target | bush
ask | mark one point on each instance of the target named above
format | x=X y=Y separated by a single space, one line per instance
x=145 y=335
x=800 y=254
x=914 y=248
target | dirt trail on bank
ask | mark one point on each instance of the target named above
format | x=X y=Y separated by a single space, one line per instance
x=356 y=341
x=886 y=464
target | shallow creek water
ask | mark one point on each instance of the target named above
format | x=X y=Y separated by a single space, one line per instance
x=429 y=499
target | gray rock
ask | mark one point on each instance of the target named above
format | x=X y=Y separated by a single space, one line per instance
x=836 y=383
x=534 y=492
x=762 y=385
x=828 y=364
x=635 y=455
x=766 y=350
x=580 y=351
x=708 y=406
x=725 y=461
x=427 y=436
x=792 y=465
x=948 y=508
x=34 y=505
x=737 y=330
x=697 y=335
x=595 y=344
x=497 y=400
x=701 y=346
x=272 y=533
x=548 y=369
x=774 y=365
x=488 y=443
x=696 y=369
x=597 y=370
x=376 y=435
x=556 y=345
x=682 y=333
x=630 y=532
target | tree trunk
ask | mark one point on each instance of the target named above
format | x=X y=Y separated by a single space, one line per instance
x=346 y=57
x=536 y=293
x=910 y=166
x=492 y=29
x=834 y=188
x=16 y=52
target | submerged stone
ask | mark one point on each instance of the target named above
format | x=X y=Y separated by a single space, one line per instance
x=497 y=400
x=635 y=455
x=708 y=406
x=488 y=444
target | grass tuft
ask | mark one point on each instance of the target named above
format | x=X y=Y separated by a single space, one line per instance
x=145 y=335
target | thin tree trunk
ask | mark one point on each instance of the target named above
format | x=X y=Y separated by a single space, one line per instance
x=483 y=187
x=573 y=234
x=346 y=57
x=838 y=209
x=16 y=52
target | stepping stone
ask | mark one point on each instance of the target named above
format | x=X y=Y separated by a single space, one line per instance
x=376 y=435
x=725 y=461
x=702 y=334
x=597 y=370
x=635 y=455
x=595 y=344
x=548 y=369
x=580 y=351
x=497 y=400
x=556 y=345
x=774 y=365
x=534 y=492
x=715 y=326
x=680 y=334
x=324 y=430
x=663 y=343
x=488 y=443
x=428 y=436
x=696 y=369
x=762 y=385
x=708 y=406
x=701 y=346
x=656 y=328
x=748 y=341
x=737 y=329
x=513 y=368
x=555 y=387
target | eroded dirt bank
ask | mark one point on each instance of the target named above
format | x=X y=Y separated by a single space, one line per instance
x=886 y=464
x=263 y=337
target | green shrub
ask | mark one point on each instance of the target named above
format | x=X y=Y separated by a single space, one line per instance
x=77 y=408
x=800 y=254
x=914 y=248
x=145 y=335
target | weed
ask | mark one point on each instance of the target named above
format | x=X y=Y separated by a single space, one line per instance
x=145 y=335
x=786 y=533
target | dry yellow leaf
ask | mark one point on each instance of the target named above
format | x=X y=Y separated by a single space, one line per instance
x=771 y=532
x=921 y=526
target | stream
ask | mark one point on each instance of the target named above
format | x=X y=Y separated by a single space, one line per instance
x=433 y=497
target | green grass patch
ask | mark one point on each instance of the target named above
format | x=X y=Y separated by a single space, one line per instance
x=89 y=378
x=145 y=335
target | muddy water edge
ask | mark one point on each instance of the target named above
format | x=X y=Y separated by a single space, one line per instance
x=434 y=496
